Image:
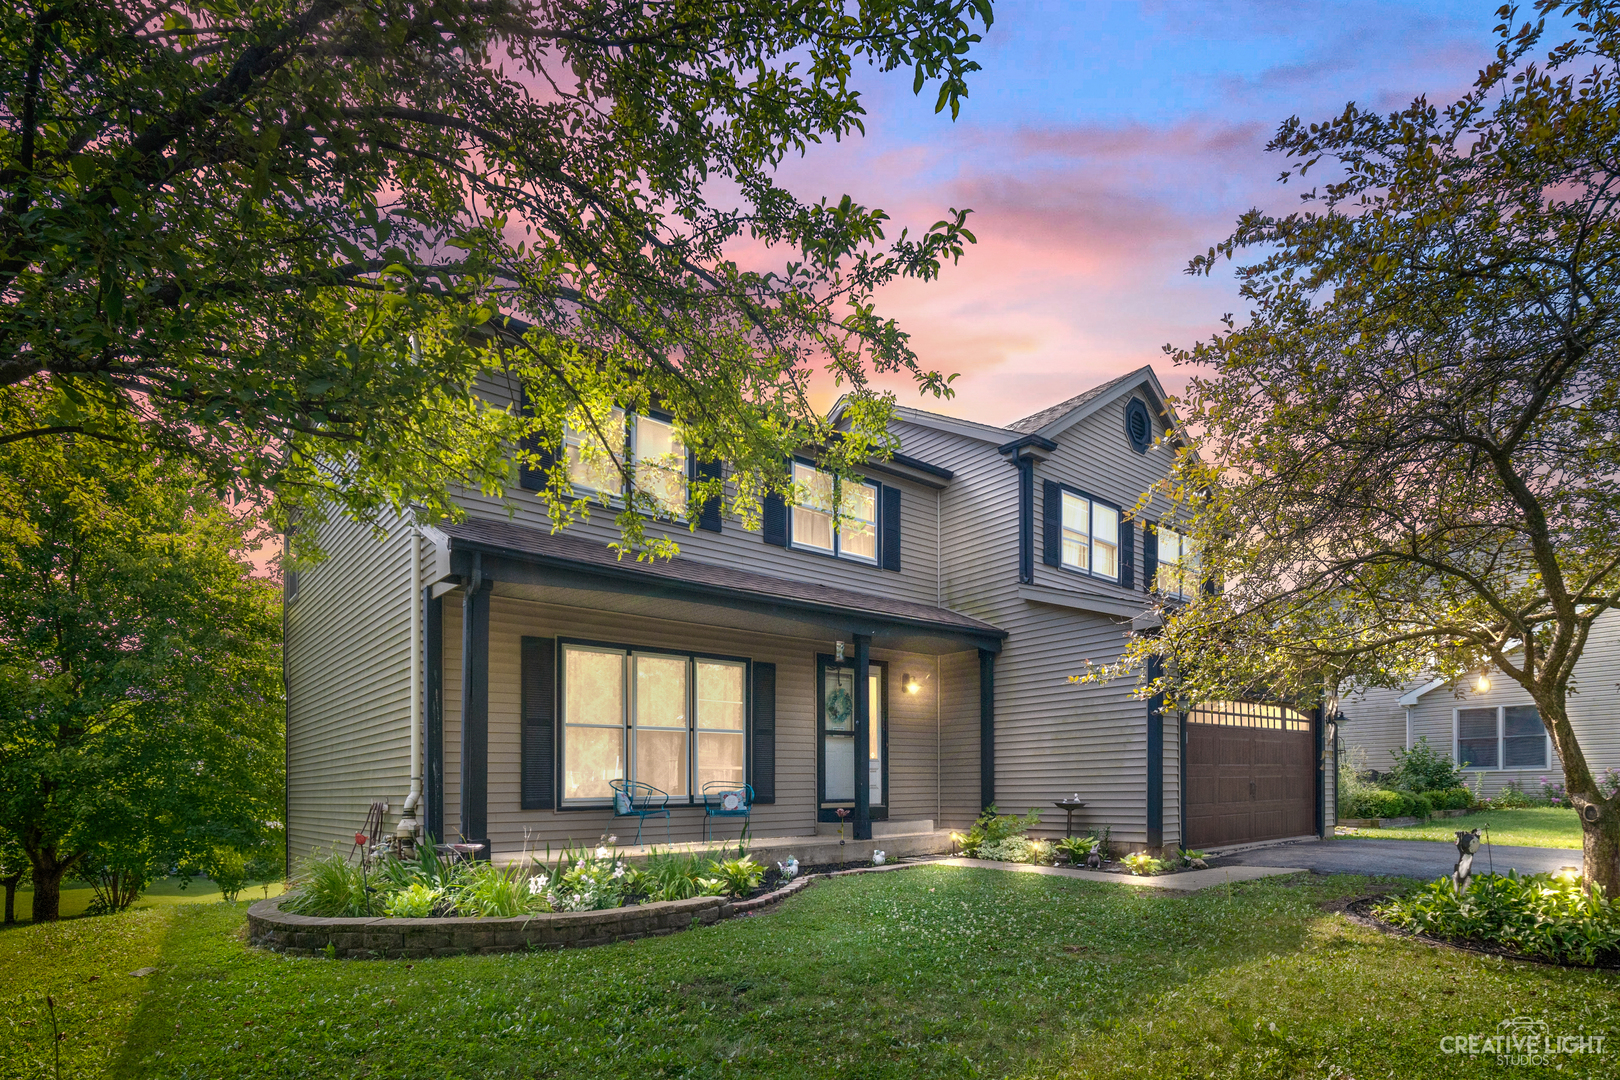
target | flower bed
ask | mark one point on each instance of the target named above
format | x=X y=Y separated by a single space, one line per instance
x=1545 y=917
x=270 y=927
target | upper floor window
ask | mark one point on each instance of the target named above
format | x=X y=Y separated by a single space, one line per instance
x=817 y=494
x=1090 y=536
x=654 y=450
x=1178 y=564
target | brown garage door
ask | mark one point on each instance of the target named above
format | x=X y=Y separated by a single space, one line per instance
x=1251 y=774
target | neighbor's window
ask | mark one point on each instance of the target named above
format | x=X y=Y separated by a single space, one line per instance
x=817 y=493
x=677 y=721
x=1509 y=737
x=1090 y=536
x=1178 y=564
x=654 y=449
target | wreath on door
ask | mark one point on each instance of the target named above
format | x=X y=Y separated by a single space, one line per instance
x=839 y=708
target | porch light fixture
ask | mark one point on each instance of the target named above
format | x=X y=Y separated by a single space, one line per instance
x=1483 y=683
x=838 y=649
x=910 y=684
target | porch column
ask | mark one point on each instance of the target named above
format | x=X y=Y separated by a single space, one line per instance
x=863 y=737
x=1155 y=759
x=433 y=715
x=987 y=728
x=475 y=709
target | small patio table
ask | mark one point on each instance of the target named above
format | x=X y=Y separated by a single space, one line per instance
x=1068 y=806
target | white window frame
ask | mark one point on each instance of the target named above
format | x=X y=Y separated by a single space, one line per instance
x=1501 y=743
x=630 y=421
x=838 y=551
x=627 y=726
x=1091 y=540
x=1181 y=590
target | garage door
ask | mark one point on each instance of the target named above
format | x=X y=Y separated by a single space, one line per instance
x=1251 y=774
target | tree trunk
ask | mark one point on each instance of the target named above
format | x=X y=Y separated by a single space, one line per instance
x=11 y=884
x=48 y=874
x=1600 y=842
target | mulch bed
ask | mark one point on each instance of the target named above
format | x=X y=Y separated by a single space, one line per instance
x=1359 y=910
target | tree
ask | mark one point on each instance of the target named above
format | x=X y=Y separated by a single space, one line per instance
x=1407 y=462
x=140 y=672
x=291 y=239
x=14 y=870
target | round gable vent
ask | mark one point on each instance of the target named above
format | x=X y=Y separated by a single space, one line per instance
x=1138 y=426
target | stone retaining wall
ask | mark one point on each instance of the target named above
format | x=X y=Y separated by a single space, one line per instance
x=361 y=939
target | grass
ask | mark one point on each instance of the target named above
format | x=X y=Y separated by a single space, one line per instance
x=937 y=972
x=164 y=892
x=1542 y=826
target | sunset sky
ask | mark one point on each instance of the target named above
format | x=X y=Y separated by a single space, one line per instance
x=1103 y=145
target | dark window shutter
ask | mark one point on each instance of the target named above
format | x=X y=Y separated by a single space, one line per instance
x=709 y=516
x=539 y=744
x=763 y=717
x=531 y=478
x=1127 y=554
x=1051 y=524
x=1150 y=556
x=774 y=515
x=889 y=527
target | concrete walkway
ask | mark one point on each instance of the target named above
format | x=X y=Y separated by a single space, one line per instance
x=1189 y=881
x=1422 y=859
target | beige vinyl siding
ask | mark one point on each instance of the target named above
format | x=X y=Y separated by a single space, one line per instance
x=743 y=549
x=1053 y=737
x=959 y=740
x=348 y=686
x=914 y=768
x=1379 y=725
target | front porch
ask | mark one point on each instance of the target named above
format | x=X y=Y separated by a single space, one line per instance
x=553 y=669
x=897 y=840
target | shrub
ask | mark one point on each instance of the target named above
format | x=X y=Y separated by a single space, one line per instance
x=1457 y=798
x=1552 y=792
x=328 y=886
x=1422 y=768
x=1545 y=915
x=1020 y=849
x=740 y=876
x=677 y=876
x=496 y=892
x=993 y=828
x=228 y=869
x=1140 y=862
x=1378 y=803
x=1423 y=804
x=1511 y=797
x=1609 y=783
x=416 y=901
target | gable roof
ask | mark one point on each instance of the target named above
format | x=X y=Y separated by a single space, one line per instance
x=1051 y=422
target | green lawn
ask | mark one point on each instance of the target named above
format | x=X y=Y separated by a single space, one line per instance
x=1543 y=826
x=161 y=893
x=927 y=972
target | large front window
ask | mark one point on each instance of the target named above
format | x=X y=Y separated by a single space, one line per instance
x=1501 y=738
x=1090 y=536
x=672 y=720
x=817 y=493
x=654 y=451
x=1178 y=573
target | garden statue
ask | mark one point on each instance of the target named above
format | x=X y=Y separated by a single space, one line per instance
x=879 y=858
x=1467 y=844
x=1094 y=859
x=789 y=869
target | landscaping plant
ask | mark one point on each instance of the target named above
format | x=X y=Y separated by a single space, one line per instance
x=1075 y=848
x=994 y=828
x=1422 y=769
x=740 y=876
x=1550 y=916
x=1140 y=862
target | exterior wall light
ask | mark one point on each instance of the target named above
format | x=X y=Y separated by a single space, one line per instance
x=1483 y=683
x=910 y=684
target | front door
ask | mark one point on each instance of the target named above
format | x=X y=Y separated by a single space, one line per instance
x=837 y=755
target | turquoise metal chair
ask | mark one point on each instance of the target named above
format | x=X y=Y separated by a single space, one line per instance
x=631 y=798
x=723 y=799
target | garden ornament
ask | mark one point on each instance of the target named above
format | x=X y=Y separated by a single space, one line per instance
x=1467 y=844
x=789 y=869
x=879 y=858
x=1094 y=859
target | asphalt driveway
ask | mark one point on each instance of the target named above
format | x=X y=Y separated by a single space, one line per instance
x=1422 y=859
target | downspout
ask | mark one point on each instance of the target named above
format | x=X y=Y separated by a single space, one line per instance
x=409 y=825
x=1409 y=727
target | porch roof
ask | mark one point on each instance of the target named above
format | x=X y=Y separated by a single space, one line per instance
x=523 y=556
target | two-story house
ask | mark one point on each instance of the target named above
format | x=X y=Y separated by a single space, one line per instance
x=909 y=666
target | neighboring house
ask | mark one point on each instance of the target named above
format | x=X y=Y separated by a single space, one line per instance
x=1497 y=733
x=982 y=567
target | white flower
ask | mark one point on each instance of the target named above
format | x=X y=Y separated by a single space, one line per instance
x=618 y=870
x=602 y=853
x=537 y=884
